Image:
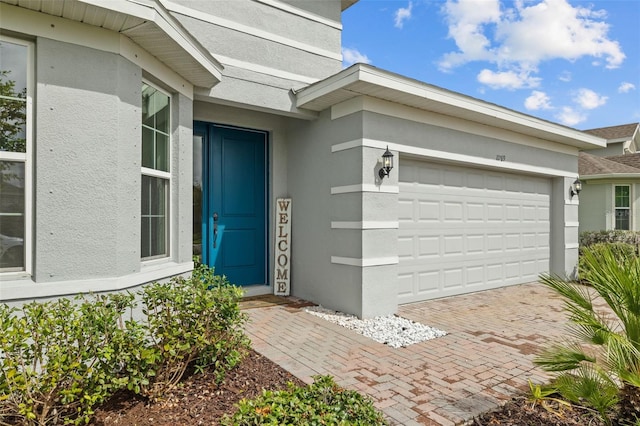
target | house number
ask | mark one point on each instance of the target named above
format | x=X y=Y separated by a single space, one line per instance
x=501 y=157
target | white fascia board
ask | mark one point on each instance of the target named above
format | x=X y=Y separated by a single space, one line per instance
x=611 y=176
x=397 y=83
x=156 y=13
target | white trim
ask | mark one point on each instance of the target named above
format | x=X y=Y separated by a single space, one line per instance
x=246 y=29
x=22 y=289
x=570 y=246
x=572 y=202
x=27 y=159
x=303 y=13
x=364 y=187
x=630 y=208
x=571 y=224
x=450 y=156
x=363 y=263
x=261 y=69
x=611 y=176
x=380 y=106
x=365 y=224
x=64 y=30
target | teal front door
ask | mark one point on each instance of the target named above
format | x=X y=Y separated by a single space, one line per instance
x=232 y=202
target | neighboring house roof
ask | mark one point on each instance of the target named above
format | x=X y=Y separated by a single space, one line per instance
x=624 y=131
x=147 y=24
x=593 y=167
x=366 y=80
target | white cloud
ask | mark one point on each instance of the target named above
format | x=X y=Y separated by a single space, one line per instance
x=402 y=14
x=530 y=32
x=507 y=80
x=588 y=99
x=626 y=87
x=570 y=117
x=352 y=56
x=538 y=100
x=565 y=76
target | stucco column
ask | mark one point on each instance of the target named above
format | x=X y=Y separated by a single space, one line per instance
x=564 y=228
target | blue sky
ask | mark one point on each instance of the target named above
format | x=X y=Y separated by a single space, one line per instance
x=576 y=63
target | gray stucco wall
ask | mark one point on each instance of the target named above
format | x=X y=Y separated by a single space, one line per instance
x=593 y=206
x=266 y=51
x=87 y=166
x=87 y=176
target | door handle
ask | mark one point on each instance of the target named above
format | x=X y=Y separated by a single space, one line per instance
x=215 y=229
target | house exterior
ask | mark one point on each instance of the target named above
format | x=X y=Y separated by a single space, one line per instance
x=155 y=130
x=621 y=140
x=610 y=190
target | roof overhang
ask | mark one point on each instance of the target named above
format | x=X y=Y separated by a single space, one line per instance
x=347 y=4
x=365 y=80
x=148 y=24
x=611 y=176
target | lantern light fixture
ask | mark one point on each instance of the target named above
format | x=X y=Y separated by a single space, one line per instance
x=387 y=164
x=576 y=187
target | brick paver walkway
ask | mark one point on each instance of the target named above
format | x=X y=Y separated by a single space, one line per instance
x=484 y=360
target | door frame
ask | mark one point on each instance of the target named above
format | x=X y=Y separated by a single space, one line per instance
x=205 y=129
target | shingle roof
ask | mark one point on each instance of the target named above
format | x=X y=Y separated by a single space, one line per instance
x=615 y=132
x=632 y=160
x=592 y=165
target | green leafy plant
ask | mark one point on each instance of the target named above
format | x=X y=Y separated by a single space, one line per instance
x=190 y=320
x=605 y=347
x=624 y=252
x=322 y=402
x=58 y=359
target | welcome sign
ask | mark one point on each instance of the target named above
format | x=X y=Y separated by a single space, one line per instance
x=282 y=263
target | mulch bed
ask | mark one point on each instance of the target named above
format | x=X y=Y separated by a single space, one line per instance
x=199 y=401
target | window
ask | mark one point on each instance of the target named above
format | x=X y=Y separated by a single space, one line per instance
x=622 y=207
x=15 y=135
x=155 y=173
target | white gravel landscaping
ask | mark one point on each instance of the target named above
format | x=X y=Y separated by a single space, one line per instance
x=391 y=330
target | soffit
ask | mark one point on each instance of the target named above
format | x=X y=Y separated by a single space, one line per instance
x=146 y=23
x=365 y=80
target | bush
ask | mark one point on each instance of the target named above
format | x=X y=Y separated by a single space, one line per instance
x=621 y=251
x=589 y=238
x=195 y=320
x=323 y=402
x=60 y=359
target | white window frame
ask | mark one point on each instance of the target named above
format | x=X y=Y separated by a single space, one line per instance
x=145 y=171
x=26 y=158
x=630 y=208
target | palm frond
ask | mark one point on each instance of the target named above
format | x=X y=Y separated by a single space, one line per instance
x=563 y=357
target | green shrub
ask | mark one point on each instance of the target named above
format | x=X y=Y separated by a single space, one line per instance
x=621 y=251
x=58 y=359
x=589 y=238
x=323 y=402
x=195 y=320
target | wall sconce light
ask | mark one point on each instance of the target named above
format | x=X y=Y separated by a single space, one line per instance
x=575 y=188
x=387 y=164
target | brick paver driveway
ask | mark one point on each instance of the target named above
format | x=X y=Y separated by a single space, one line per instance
x=484 y=360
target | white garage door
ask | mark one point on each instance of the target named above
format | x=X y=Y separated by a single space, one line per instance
x=464 y=229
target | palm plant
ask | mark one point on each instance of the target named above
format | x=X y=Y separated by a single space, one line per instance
x=600 y=365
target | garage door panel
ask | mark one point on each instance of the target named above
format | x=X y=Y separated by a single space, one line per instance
x=470 y=230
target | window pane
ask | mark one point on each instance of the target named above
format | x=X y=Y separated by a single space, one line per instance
x=162 y=114
x=622 y=196
x=622 y=219
x=13 y=94
x=12 y=226
x=197 y=195
x=154 y=216
x=162 y=152
x=147 y=148
x=147 y=105
x=13 y=114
